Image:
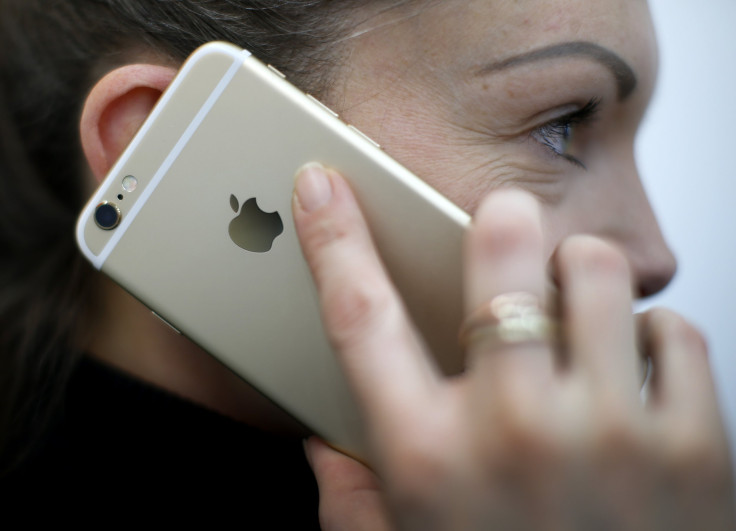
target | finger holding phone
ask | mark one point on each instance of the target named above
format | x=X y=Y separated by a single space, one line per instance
x=546 y=429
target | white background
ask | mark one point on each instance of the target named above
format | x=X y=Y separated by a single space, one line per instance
x=687 y=149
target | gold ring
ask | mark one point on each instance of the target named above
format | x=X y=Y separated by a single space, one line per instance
x=508 y=319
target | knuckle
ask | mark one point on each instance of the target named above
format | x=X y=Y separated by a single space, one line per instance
x=676 y=329
x=415 y=470
x=522 y=454
x=618 y=434
x=419 y=468
x=504 y=226
x=535 y=448
x=620 y=449
x=686 y=333
x=693 y=457
x=523 y=428
x=324 y=231
x=353 y=308
x=355 y=294
x=657 y=318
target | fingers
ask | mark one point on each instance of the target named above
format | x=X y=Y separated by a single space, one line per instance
x=595 y=282
x=505 y=254
x=512 y=385
x=682 y=378
x=349 y=493
x=694 y=446
x=363 y=315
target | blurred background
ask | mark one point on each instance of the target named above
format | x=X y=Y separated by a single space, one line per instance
x=686 y=150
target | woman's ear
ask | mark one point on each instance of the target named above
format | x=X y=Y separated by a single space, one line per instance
x=115 y=109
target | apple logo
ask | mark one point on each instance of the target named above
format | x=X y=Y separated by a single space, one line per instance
x=253 y=229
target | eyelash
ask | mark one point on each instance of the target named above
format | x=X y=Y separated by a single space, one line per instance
x=562 y=128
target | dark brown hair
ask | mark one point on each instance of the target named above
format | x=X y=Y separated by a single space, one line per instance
x=51 y=52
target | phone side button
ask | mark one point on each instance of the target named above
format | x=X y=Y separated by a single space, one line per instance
x=167 y=323
x=276 y=71
x=361 y=133
x=325 y=107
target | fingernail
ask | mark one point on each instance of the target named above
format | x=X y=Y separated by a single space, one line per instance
x=313 y=188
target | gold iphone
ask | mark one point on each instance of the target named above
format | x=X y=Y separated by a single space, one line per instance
x=195 y=221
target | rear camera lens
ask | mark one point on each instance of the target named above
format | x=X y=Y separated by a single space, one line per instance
x=107 y=216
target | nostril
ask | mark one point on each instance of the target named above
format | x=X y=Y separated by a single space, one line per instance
x=650 y=287
x=654 y=282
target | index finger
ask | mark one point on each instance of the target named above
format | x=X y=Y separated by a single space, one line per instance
x=377 y=346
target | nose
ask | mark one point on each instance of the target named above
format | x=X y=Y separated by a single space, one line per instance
x=653 y=267
x=619 y=210
x=652 y=262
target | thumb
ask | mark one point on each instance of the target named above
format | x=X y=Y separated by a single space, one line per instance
x=349 y=493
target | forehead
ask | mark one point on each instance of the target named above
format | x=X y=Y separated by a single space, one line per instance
x=457 y=37
x=520 y=24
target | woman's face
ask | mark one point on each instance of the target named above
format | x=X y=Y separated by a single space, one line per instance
x=544 y=95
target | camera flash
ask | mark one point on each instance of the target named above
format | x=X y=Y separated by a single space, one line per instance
x=129 y=183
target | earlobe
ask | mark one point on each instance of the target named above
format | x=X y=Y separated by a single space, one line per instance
x=115 y=109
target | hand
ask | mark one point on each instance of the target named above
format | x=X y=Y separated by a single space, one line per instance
x=530 y=436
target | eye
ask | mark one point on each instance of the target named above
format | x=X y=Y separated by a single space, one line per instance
x=558 y=134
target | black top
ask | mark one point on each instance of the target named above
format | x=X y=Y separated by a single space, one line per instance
x=125 y=446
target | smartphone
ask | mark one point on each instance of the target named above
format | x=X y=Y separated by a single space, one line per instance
x=194 y=220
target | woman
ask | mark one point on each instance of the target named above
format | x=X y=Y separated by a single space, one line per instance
x=535 y=104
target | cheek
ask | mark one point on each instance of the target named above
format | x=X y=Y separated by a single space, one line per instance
x=425 y=147
x=463 y=165
x=556 y=227
x=432 y=138
x=602 y=202
x=466 y=165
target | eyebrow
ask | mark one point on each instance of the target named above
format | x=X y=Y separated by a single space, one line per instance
x=622 y=72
